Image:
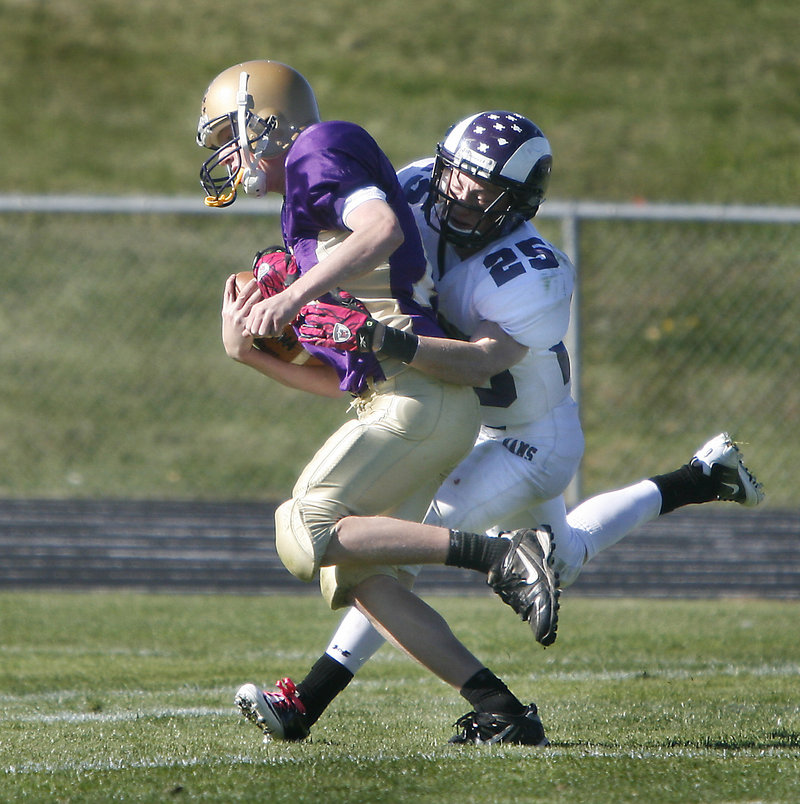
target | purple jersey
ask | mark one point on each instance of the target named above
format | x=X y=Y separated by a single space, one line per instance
x=327 y=163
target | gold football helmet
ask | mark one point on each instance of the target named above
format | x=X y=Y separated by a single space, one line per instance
x=252 y=110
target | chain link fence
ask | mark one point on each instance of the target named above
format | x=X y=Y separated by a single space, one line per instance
x=115 y=384
x=687 y=325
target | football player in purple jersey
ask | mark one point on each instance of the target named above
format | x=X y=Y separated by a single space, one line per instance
x=500 y=283
x=354 y=518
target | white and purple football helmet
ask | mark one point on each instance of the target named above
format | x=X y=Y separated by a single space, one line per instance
x=500 y=148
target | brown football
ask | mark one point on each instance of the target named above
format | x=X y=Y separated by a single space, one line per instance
x=285 y=346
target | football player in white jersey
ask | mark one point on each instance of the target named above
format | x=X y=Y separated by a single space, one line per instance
x=505 y=288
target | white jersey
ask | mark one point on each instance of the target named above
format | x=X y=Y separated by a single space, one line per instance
x=522 y=283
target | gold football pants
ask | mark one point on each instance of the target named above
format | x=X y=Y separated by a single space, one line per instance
x=409 y=433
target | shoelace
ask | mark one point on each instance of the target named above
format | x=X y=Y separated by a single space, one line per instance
x=290 y=697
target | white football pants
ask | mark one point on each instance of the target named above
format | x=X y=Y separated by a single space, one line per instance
x=515 y=478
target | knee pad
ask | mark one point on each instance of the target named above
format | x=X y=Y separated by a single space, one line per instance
x=337 y=583
x=294 y=541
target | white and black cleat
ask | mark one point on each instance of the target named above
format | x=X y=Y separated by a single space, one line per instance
x=526 y=581
x=721 y=460
x=278 y=713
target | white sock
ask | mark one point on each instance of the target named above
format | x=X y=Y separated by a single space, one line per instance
x=605 y=519
x=354 y=642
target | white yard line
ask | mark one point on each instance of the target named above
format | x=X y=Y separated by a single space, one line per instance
x=120 y=716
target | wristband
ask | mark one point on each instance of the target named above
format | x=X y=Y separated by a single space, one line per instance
x=399 y=344
x=365 y=335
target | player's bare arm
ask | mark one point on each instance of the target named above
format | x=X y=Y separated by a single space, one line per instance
x=348 y=325
x=375 y=235
x=474 y=362
x=317 y=379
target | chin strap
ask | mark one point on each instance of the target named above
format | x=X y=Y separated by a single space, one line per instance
x=251 y=177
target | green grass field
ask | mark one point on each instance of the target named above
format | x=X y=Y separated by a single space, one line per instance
x=116 y=386
x=117 y=696
x=673 y=102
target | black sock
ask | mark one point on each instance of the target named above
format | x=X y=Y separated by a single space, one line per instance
x=475 y=551
x=487 y=693
x=685 y=486
x=326 y=679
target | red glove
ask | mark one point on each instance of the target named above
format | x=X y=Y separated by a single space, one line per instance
x=274 y=270
x=344 y=324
